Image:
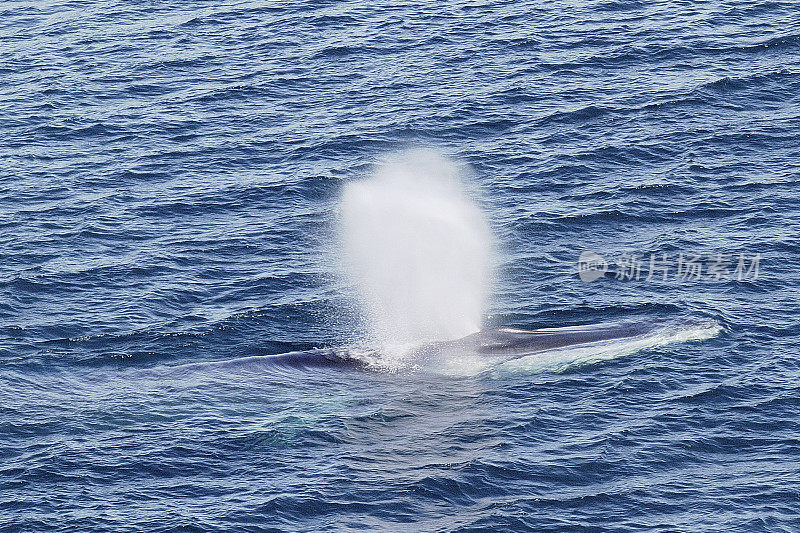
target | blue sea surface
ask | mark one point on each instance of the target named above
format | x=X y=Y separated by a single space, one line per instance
x=169 y=184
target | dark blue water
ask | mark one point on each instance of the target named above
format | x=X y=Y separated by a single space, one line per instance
x=169 y=176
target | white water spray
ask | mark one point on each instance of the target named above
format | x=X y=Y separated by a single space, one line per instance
x=417 y=248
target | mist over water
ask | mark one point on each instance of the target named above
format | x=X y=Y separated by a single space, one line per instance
x=417 y=248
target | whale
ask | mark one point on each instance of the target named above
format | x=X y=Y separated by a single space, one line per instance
x=511 y=342
x=502 y=344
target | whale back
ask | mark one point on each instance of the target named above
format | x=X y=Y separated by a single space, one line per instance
x=518 y=342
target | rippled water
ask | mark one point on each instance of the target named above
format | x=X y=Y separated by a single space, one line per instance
x=169 y=174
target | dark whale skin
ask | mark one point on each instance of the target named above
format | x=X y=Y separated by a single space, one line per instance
x=518 y=342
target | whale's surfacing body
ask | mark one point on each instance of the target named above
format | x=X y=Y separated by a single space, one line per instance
x=520 y=342
x=550 y=346
x=514 y=350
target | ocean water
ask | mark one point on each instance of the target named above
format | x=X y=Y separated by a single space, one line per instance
x=170 y=182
